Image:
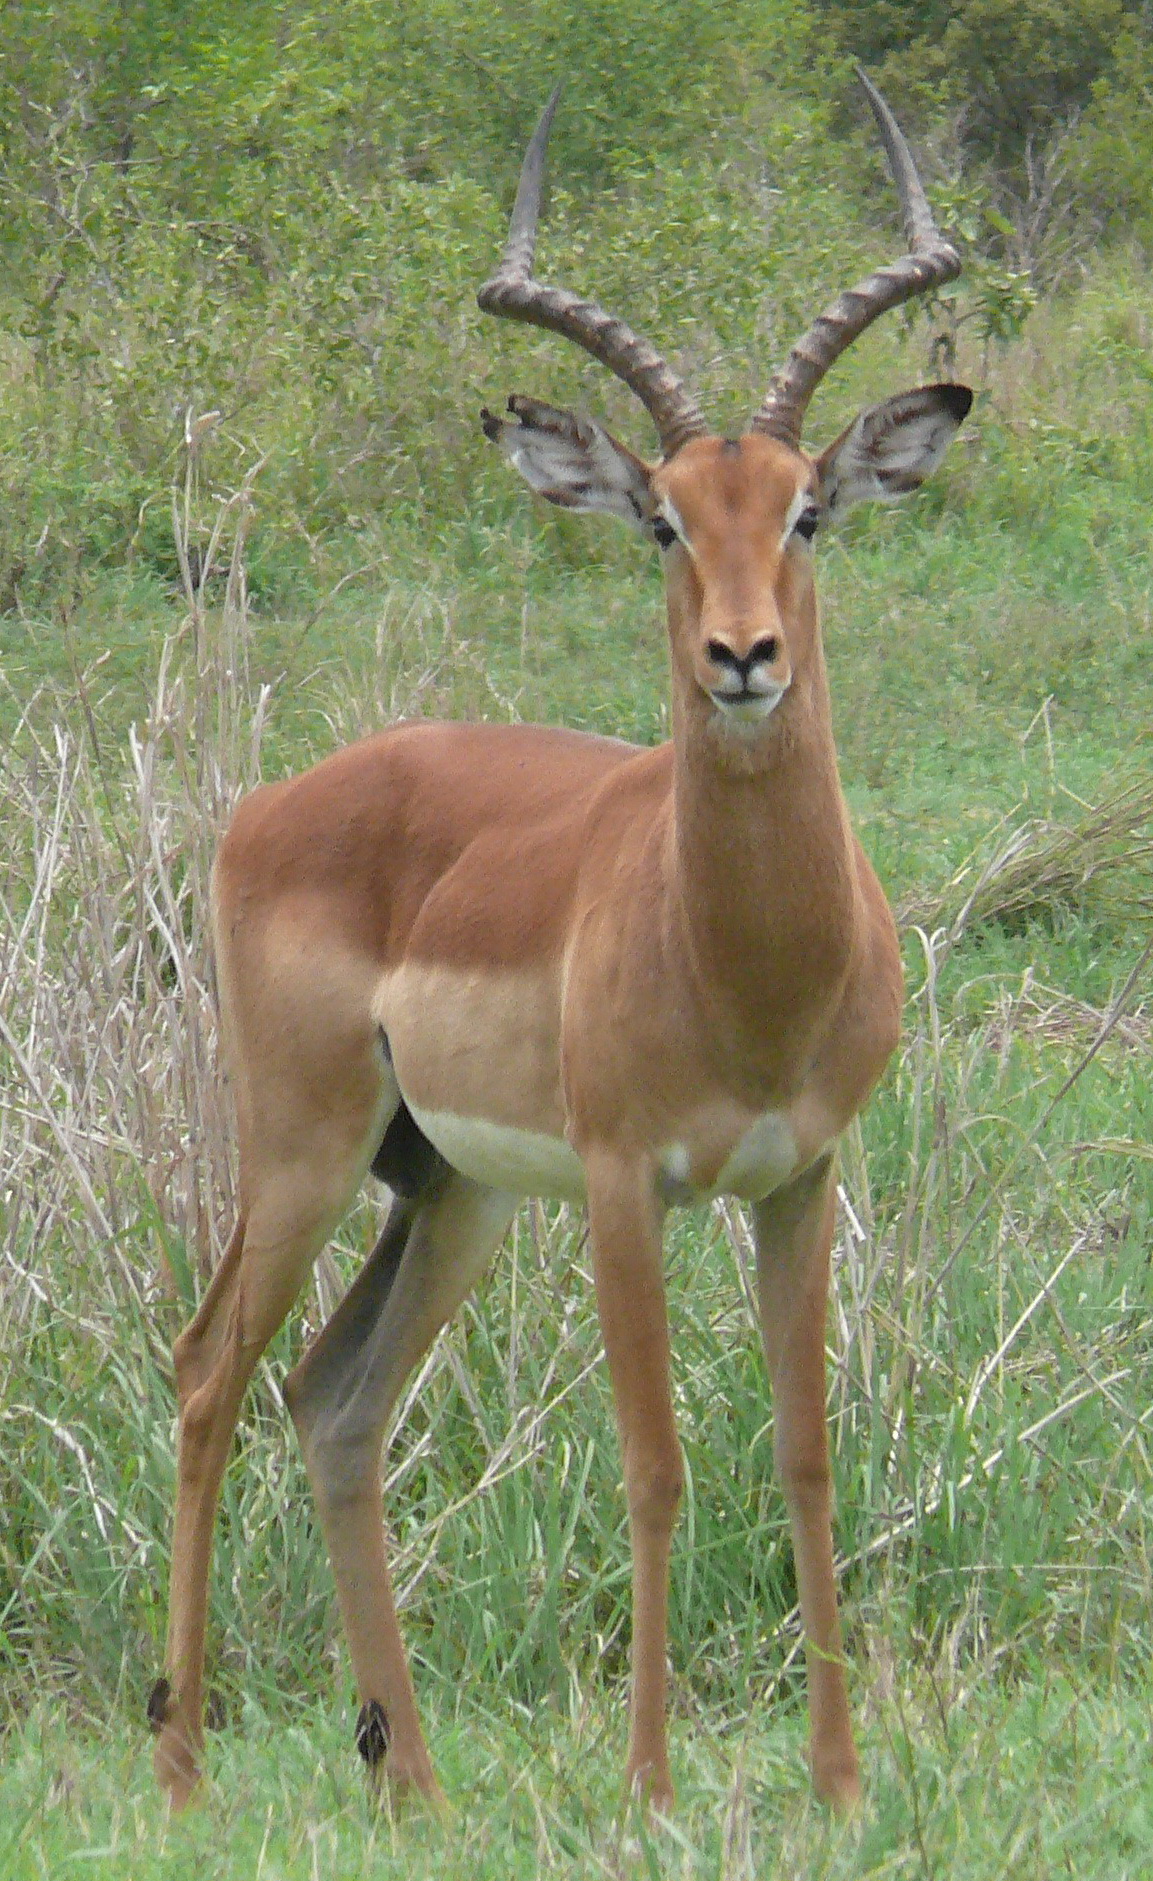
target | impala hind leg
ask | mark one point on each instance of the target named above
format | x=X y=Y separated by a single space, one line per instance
x=341 y=1396
x=794 y=1232
x=625 y=1222
x=290 y=1212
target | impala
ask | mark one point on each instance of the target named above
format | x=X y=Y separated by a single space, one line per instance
x=491 y=961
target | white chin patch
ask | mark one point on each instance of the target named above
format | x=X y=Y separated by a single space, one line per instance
x=748 y=710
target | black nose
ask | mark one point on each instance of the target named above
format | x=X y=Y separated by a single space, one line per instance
x=766 y=648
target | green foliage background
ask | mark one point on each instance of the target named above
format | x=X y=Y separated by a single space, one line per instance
x=283 y=212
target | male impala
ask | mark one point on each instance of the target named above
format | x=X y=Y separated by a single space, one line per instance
x=490 y=961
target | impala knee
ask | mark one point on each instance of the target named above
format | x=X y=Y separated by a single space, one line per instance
x=207 y=1420
x=654 y=1486
x=191 y=1363
x=805 y=1477
x=304 y=1400
x=317 y=1392
x=343 y=1460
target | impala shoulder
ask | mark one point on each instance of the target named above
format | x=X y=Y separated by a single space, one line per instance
x=631 y=797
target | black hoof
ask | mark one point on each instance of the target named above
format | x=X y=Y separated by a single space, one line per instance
x=159 y=1699
x=372 y=1733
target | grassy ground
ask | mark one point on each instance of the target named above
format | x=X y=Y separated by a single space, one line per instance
x=963 y=1781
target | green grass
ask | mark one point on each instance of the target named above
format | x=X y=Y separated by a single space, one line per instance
x=964 y=1779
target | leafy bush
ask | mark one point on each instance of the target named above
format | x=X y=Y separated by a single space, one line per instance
x=288 y=225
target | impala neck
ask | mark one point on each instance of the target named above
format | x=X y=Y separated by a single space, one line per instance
x=764 y=863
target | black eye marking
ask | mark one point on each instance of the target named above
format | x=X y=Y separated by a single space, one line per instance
x=664 y=532
x=806 y=523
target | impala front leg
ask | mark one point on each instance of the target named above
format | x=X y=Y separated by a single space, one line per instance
x=625 y=1221
x=794 y=1232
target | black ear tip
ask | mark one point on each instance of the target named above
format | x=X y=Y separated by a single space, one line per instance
x=957 y=400
x=490 y=423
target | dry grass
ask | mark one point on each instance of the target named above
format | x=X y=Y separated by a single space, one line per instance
x=1041 y=865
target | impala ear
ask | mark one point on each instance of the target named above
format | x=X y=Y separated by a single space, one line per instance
x=890 y=449
x=571 y=460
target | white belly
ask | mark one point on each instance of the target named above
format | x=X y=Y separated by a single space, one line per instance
x=528 y=1162
x=525 y=1162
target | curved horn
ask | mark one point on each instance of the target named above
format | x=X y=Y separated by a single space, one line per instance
x=513 y=292
x=931 y=261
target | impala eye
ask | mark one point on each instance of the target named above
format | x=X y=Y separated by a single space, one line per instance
x=664 y=533
x=806 y=523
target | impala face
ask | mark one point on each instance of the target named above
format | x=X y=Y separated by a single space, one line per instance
x=735 y=518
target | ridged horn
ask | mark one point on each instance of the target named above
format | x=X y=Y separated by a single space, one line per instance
x=931 y=261
x=515 y=293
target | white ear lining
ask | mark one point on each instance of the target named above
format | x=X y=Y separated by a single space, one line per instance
x=889 y=450
x=576 y=464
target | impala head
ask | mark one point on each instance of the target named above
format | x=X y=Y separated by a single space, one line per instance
x=734 y=518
